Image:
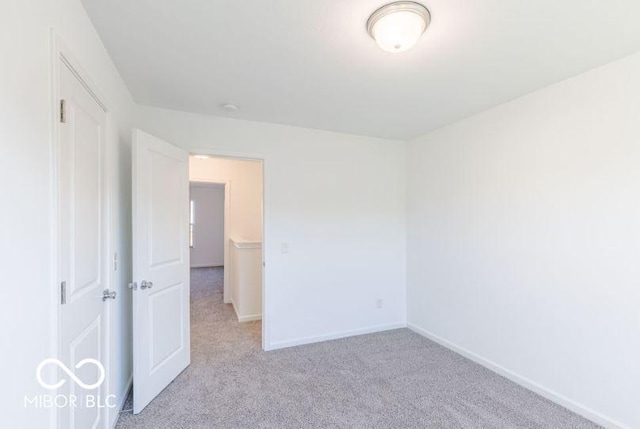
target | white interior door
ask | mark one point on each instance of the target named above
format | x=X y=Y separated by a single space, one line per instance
x=161 y=341
x=82 y=259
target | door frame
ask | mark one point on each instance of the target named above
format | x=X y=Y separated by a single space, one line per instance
x=247 y=156
x=61 y=56
x=227 y=204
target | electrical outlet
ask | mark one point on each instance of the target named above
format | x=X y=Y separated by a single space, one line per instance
x=115 y=261
x=378 y=303
x=284 y=247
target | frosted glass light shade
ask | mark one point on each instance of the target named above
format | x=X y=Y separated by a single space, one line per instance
x=397 y=27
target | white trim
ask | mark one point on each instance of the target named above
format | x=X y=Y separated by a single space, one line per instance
x=529 y=384
x=239 y=244
x=250 y=318
x=229 y=154
x=200 y=183
x=120 y=406
x=208 y=266
x=226 y=261
x=54 y=321
x=336 y=335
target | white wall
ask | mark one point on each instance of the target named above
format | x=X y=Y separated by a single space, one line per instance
x=337 y=199
x=245 y=191
x=26 y=117
x=524 y=239
x=208 y=227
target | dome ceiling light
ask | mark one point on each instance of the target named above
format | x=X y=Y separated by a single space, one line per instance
x=230 y=108
x=396 y=27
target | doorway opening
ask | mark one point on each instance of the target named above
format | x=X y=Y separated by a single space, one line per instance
x=225 y=240
x=185 y=321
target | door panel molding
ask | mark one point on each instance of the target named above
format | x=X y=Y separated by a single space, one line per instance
x=161 y=313
x=62 y=60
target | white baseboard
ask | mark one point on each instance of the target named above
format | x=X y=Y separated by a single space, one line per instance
x=123 y=399
x=576 y=407
x=207 y=265
x=249 y=318
x=334 y=336
x=235 y=310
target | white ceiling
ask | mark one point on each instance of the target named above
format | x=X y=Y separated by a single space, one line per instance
x=312 y=64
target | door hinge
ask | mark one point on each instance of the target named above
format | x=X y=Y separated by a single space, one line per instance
x=63 y=293
x=63 y=112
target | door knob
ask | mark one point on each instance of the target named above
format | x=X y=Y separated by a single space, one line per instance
x=146 y=284
x=108 y=294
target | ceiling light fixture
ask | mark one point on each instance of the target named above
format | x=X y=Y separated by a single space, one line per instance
x=230 y=108
x=396 y=27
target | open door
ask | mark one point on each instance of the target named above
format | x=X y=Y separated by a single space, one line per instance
x=161 y=341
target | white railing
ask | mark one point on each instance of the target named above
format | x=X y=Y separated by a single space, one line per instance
x=246 y=279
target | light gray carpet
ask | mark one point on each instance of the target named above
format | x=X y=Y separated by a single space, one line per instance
x=395 y=379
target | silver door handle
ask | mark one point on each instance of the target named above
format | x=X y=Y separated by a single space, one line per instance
x=108 y=294
x=146 y=284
